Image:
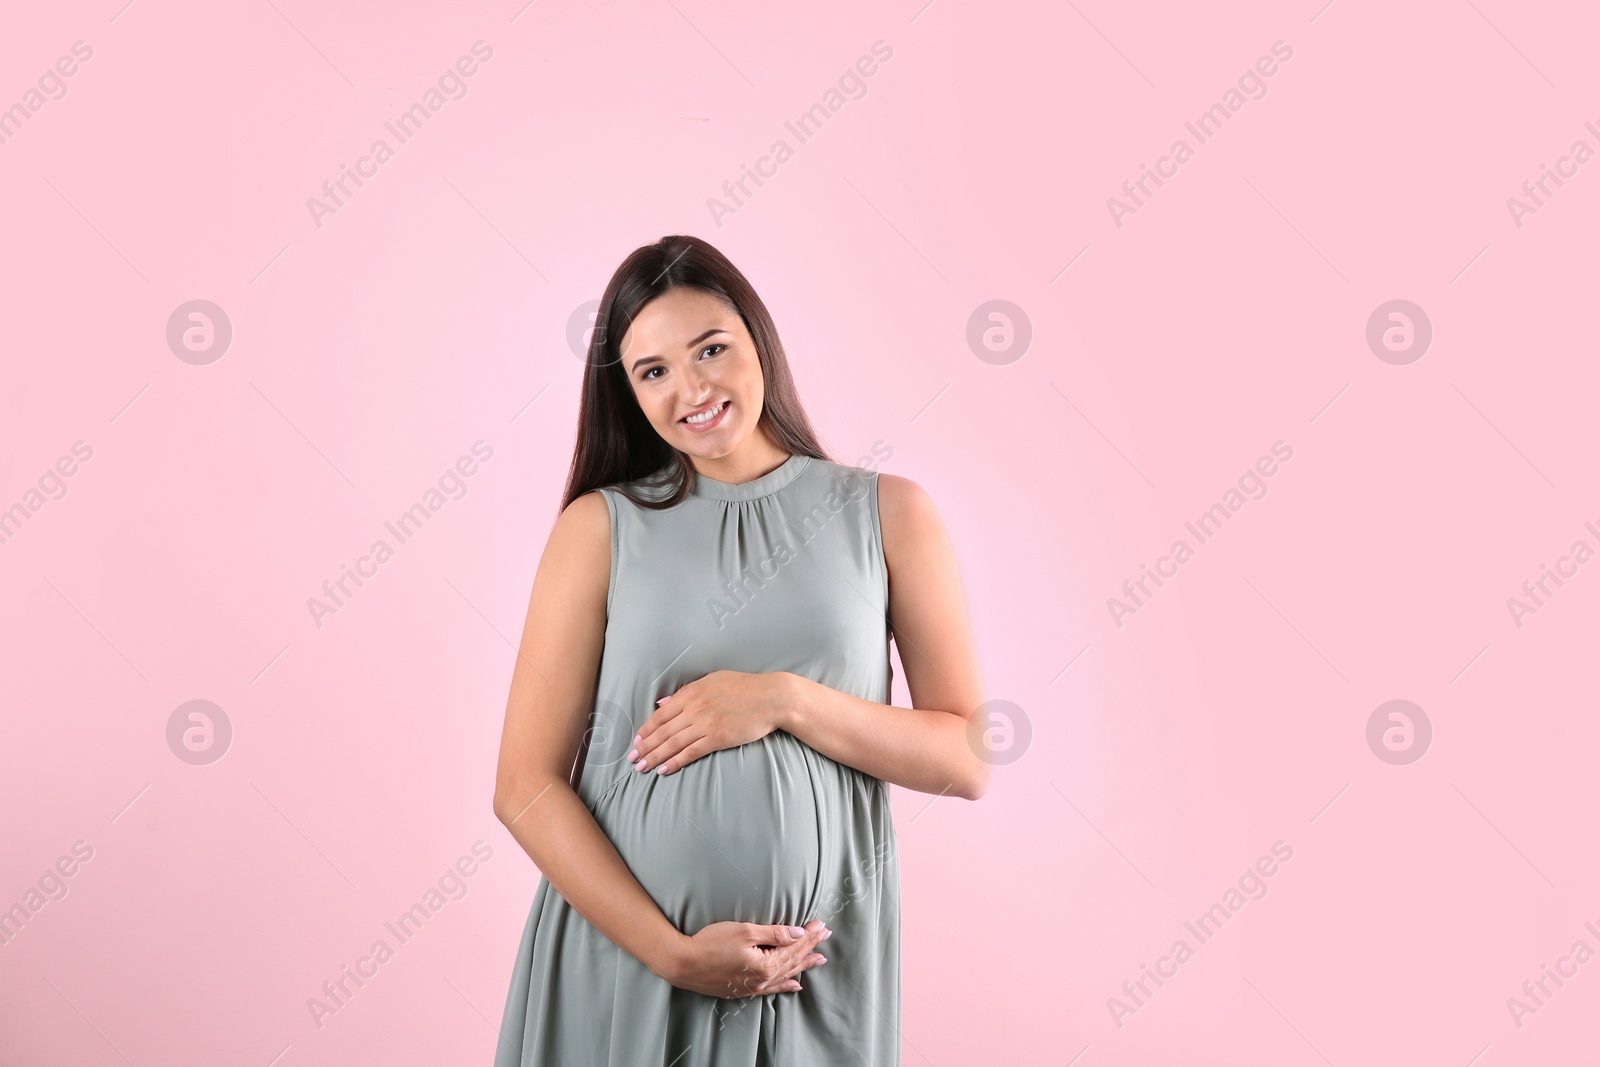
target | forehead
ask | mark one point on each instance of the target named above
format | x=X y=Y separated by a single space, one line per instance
x=679 y=314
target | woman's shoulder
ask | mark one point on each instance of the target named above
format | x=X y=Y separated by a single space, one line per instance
x=906 y=512
x=575 y=569
x=587 y=520
x=901 y=494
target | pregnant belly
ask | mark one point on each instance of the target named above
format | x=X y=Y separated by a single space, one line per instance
x=749 y=833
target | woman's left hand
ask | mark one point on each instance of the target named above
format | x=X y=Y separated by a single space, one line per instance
x=724 y=709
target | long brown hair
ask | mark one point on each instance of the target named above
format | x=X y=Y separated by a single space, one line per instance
x=616 y=443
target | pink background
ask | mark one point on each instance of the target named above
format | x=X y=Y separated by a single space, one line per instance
x=431 y=311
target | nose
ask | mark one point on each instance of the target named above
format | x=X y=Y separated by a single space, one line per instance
x=696 y=384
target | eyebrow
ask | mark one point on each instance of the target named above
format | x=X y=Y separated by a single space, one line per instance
x=657 y=359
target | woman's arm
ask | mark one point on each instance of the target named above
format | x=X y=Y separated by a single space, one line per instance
x=552 y=690
x=936 y=745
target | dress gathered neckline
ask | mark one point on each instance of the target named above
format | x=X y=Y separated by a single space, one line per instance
x=766 y=485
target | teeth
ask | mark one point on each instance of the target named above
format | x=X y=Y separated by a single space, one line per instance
x=708 y=416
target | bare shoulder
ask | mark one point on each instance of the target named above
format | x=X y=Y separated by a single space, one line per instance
x=585 y=518
x=579 y=550
x=905 y=511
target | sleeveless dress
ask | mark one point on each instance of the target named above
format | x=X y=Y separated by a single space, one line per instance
x=782 y=573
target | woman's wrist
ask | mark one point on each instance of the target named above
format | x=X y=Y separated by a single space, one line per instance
x=787 y=702
x=665 y=955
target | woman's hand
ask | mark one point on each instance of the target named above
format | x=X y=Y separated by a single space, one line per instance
x=734 y=959
x=724 y=709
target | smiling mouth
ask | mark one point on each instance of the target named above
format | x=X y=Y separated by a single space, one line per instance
x=706 y=418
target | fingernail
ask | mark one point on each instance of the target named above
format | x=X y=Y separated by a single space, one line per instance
x=825 y=935
x=639 y=766
x=637 y=739
x=797 y=931
x=633 y=755
x=663 y=700
x=822 y=960
x=661 y=769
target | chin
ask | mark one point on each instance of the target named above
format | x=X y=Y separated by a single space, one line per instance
x=705 y=450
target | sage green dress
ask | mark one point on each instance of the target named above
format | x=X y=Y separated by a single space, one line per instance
x=782 y=573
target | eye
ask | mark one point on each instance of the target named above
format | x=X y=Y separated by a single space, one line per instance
x=646 y=375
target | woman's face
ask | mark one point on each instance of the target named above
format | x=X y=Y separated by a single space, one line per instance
x=687 y=354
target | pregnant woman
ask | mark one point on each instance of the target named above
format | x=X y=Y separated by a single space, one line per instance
x=698 y=745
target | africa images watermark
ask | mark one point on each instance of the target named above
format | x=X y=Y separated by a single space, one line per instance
x=1252 y=485
x=1252 y=885
x=1207 y=125
x=1578 y=155
x=452 y=482
x=52 y=886
x=851 y=86
x=755 y=576
x=452 y=85
x=1579 y=554
x=1536 y=993
x=52 y=485
x=451 y=885
x=52 y=86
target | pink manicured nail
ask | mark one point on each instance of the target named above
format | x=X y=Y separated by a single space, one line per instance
x=663 y=700
x=639 y=766
x=633 y=755
x=636 y=739
x=661 y=769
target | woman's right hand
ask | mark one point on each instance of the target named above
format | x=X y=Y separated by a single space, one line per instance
x=735 y=959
